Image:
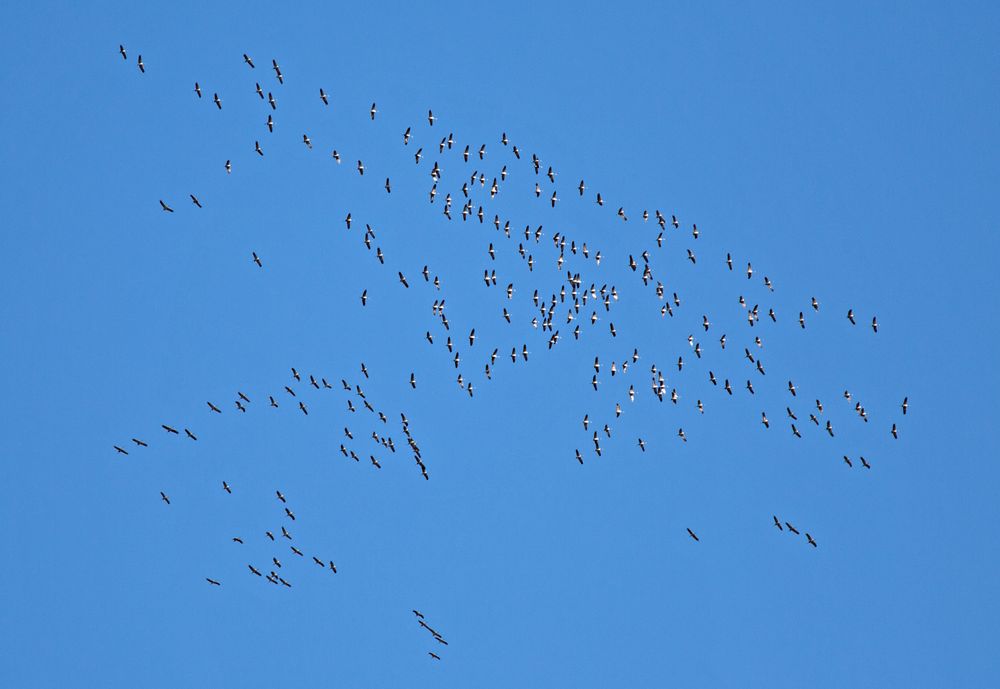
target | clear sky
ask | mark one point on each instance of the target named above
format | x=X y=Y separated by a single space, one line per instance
x=848 y=152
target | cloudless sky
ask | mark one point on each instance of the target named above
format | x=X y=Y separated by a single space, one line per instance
x=848 y=151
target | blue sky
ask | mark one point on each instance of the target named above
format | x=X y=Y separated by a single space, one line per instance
x=848 y=153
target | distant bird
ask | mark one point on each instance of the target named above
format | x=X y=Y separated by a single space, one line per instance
x=121 y=450
x=692 y=534
x=169 y=429
x=777 y=523
x=213 y=582
x=256 y=259
x=164 y=498
x=850 y=315
x=217 y=100
x=895 y=434
x=190 y=434
x=372 y=112
x=229 y=168
x=277 y=71
x=435 y=656
x=322 y=97
x=165 y=207
x=194 y=199
x=905 y=405
x=142 y=67
x=225 y=487
x=197 y=89
x=810 y=539
x=121 y=49
x=792 y=529
x=139 y=442
x=874 y=324
x=246 y=58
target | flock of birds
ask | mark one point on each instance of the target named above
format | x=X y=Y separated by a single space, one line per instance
x=560 y=307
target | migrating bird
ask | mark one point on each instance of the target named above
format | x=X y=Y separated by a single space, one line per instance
x=256 y=259
x=246 y=59
x=164 y=498
x=213 y=582
x=142 y=67
x=692 y=534
x=165 y=207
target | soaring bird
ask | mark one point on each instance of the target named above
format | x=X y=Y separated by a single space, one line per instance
x=322 y=97
x=121 y=49
x=213 y=582
x=246 y=58
x=194 y=200
x=373 y=111
x=792 y=528
x=142 y=67
x=169 y=429
x=692 y=534
x=164 y=498
x=894 y=433
x=810 y=539
x=256 y=259
x=217 y=100
x=190 y=434
x=850 y=315
x=435 y=656
x=777 y=523
x=197 y=89
x=225 y=487
x=121 y=450
x=905 y=404
x=874 y=324
x=277 y=71
x=139 y=442
x=165 y=207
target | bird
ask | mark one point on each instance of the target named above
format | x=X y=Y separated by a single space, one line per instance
x=850 y=315
x=792 y=528
x=810 y=539
x=164 y=498
x=277 y=71
x=121 y=49
x=142 y=67
x=169 y=429
x=692 y=534
x=322 y=97
x=197 y=89
x=213 y=582
x=121 y=450
x=140 y=443
x=905 y=404
x=777 y=523
x=217 y=100
x=895 y=434
x=435 y=656
x=165 y=207
x=194 y=199
x=246 y=58
x=229 y=168
x=225 y=487
x=874 y=324
x=256 y=259
x=372 y=112
x=190 y=434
